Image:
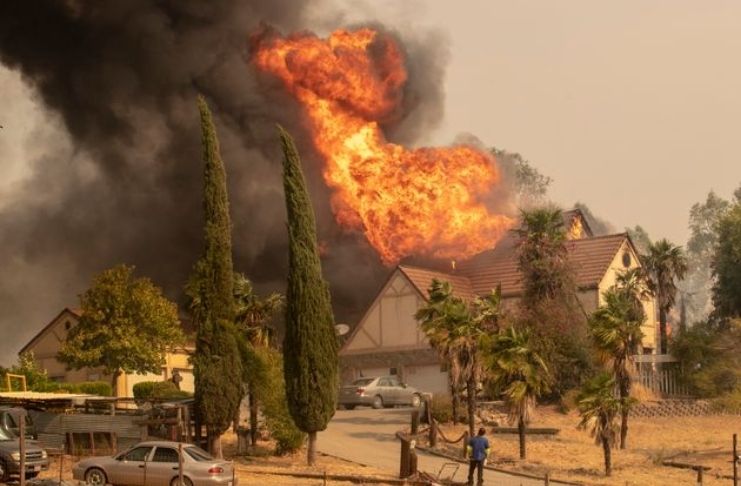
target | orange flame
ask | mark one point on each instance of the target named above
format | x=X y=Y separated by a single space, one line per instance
x=426 y=201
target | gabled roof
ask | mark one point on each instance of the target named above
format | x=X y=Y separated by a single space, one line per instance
x=76 y=313
x=590 y=258
x=422 y=278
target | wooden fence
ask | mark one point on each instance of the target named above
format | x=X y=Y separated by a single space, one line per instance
x=663 y=382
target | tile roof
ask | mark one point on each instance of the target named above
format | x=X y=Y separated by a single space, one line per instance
x=422 y=278
x=590 y=258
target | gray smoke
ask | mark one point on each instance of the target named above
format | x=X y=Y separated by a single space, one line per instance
x=123 y=77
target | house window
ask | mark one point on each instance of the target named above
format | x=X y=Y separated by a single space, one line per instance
x=393 y=371
x=67 y=325
x=627 y=260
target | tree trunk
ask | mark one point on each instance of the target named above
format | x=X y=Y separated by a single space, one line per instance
x=624 y=394
x=471 y=399
x=608 y=456
x=214 y=444
x=454 y=398
x=114 y=382
x=311 y=450
x=662 y=326
x=253 y=416
x=521 y=431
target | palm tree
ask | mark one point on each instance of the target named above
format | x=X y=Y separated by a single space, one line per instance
x=253 y=316
x=616 y=331
x=665 y=265
x=454 y=328
x=516 y=368
x=543 y=257
x=599 y=407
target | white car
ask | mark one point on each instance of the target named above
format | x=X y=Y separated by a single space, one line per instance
x=156 y=463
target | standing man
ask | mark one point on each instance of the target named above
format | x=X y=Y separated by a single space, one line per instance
x=478 y=451
x=176 y=378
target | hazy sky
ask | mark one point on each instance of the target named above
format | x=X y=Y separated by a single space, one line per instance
x=631 y=106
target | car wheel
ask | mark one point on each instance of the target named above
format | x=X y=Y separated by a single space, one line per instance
x=186 y=481
x=377 y=401
x=416 y=401
x=95 y=477
x=4 y=472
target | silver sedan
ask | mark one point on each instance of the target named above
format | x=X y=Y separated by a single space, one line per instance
x=379 y=392
x=156 y=463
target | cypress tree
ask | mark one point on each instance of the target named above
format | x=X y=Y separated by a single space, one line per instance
x=217 y=365
x=310 y=344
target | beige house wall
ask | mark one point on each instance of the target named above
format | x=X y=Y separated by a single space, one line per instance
x=617 y=266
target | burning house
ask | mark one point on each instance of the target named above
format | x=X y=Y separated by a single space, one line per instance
x=388 y=339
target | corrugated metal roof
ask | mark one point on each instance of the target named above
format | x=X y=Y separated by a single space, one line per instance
x=31 y=395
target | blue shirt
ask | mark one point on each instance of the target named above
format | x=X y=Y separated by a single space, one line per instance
x=478 y=446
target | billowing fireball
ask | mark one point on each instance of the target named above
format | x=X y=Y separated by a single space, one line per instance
x=423 y=201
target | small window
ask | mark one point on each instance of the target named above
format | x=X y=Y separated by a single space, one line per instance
x=67 y=325
x=139 y=454
x=165 y=454
x=393 y=371
x=198 y=454
x=627 y=260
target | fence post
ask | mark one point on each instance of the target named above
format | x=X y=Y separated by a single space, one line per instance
x=699 y=476
x=735 y=459
x=415 y=421
x=465 y=444
x=404 y=461
x=412 y=462
x=547 y=479
x=180 y=465
x=22 y=445
x=433 y=433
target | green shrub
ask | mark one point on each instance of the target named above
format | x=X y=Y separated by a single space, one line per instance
x=158 y=390
x=442 y=408
x=144 y=390
x=264 y=368
x=100 y=388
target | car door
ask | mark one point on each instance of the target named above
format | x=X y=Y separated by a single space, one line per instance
x=397 y=391
x=129 y=467
x=383 y=389
x=163 y=466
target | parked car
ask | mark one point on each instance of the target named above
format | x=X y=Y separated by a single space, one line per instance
x=379 y=392
x=158 y=463
x=9 y=425
x=37 y=459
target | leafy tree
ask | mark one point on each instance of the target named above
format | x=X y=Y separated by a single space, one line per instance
x=709 y=359
x=310 y=344
x=515 y=367
x=216 y=363
x=36 y=377
x=726 y=266
x=126 y=326
x=530 y=186
x=665 y=264
x=454 y=329
x=616 y=331
x=704 y=224
x=599 y=407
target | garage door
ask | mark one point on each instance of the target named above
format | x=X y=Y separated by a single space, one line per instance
x=427 y=378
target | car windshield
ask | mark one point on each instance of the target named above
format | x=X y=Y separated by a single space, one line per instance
x=198 y=454
x=363 y=381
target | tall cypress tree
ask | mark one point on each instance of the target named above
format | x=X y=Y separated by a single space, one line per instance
x=217 y=364
x=310 y=344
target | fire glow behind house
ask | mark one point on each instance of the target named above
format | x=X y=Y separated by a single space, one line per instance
x=408 y=202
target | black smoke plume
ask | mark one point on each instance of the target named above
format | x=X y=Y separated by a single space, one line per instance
x=123 y=77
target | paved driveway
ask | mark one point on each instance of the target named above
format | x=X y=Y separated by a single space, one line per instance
x=367 y=436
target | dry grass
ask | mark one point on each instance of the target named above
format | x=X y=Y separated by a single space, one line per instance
x=572 y=454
